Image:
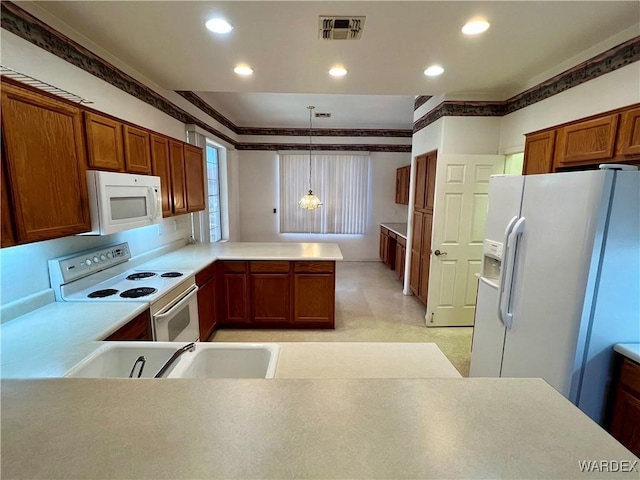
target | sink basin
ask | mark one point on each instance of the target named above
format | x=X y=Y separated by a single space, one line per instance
x=114 y=360
x=209 y=360
x=229 y=360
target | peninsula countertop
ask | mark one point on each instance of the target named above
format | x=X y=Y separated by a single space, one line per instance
x=398 y=228
x=283 y=428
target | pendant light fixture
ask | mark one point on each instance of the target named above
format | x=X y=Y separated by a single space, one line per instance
x=310 y=201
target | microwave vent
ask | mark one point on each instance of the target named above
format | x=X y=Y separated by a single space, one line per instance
x=340 y=28
x=323 y=115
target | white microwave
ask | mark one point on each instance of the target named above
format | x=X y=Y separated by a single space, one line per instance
x=122 y=201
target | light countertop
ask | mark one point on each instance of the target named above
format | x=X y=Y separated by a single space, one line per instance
x=283 y=428
x=398 y=228
x=49 y=341
x=363 y=360
x=196 y=257
x=629 y=350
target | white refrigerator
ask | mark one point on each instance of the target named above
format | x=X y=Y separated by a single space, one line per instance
x=560 y=281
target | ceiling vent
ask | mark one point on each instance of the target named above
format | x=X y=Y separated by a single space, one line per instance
x=340 y=28
x=323 y=115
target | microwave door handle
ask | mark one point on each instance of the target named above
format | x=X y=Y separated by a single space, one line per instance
x=153 y=203
x=187 y=296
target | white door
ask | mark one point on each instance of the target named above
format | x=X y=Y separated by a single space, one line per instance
x=461 y=193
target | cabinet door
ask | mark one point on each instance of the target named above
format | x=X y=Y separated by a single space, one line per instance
x=207 y=308
x=7 y=229
x=314 y=299
x=45 y=165
x=629 y=136
x=425 y=257
x=194 y=178
x=176 y=155
x=430 y=189
x=586 y=142
x=161 y=167
x=270 y=297
x=137 y=152
x=406 y=185
x=538 y=153
x=416 y=251
x=419 y=201
x=383 y=242
x=626 y=421
x=104 y=143
x=137 y=329
x=236 y=298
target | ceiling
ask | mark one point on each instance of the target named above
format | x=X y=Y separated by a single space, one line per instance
x=168 y=43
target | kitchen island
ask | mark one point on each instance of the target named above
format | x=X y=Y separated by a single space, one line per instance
x=282 y=428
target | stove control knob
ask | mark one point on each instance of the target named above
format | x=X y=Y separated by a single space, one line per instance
x=87 y=262
x=109 y=255
x=96 y=259
x=102 y=257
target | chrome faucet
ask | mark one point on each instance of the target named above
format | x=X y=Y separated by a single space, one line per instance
x=142 y=360
x=190 y=347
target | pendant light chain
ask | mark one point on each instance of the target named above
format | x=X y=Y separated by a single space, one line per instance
x=310 y=107
x=310 y=201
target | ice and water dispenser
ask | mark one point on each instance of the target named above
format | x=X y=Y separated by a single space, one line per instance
x=492 y=260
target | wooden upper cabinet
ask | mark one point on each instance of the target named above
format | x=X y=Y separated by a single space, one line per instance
x=584 y=142
x=137 y=152
x=419 y=202
x=402 y=185
x=45 y=165
x=161 y=167
x=7 y=229
x=104 y=143
x=538 y=152
x=629 y=133
x=194 y=178
x=178 y=185
x=430 y=189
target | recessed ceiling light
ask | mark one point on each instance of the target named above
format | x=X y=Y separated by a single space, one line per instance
x=218 y=25
x=338 y=72
x=475 y=27
x=244 y=70
x=434 y=71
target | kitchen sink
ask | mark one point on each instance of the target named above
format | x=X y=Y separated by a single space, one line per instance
x=229 y=360
x=208 y=360
x=115 y=360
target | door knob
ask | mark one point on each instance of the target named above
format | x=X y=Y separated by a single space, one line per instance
x=437 y=253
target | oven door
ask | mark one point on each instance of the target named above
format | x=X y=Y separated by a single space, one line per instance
x=178 y=321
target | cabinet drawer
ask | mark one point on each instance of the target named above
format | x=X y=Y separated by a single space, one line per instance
x=269 y=267
x=136 y=330
x=384 y=230
x=233 y=266
x=401 y=241
x=206 y=274
x=392 y=234
x=630 y=376
x=314 y=267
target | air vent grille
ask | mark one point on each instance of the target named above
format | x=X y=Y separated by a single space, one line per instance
x=340 y=28
x=323 y=115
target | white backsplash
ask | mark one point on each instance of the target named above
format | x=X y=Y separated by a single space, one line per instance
x=24 y=271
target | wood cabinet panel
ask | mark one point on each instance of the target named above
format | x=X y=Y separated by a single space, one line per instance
x=44 y=161
x=420 y=198
x=194 y=178
x=401 y=252
x=233 y=266
x=270 y=297
x=630 y=377
x=430 y=188
x=314 y=267
x=7 y=229
x=314 y=299
x=586 y=141
x=236 y=298
x=629 y=133
x=138 y=329
x=104 y=142
x=425 y=257
x=137 y=150
x=538 y=153
x=204 y=275
x=178 y=182
x=161 y=167
x=626 y=421
x=266 y=266
x=416 y=247
x=207 y=315
x=402 y=185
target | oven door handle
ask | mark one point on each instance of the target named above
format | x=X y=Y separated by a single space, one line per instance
x=185 y=298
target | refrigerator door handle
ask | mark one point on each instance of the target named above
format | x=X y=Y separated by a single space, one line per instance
x=503 y=269
x=505 y=304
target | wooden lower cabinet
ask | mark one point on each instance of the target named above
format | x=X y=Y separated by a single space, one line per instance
x=421 y=255
x=625 y=424
x=207 y=305
x=138 y=329
x=277 y=294
x=401 y=253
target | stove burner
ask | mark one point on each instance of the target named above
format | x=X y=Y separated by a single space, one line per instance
x=140 y=275
x=102 y=293
x=138 y=292
x=171 y=274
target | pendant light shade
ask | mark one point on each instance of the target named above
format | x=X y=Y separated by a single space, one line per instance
x=310 y=201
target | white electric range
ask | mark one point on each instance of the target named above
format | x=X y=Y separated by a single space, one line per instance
x=101 y=275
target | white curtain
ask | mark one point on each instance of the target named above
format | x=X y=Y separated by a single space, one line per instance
x=340 y=181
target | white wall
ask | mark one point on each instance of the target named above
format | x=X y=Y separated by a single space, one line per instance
x=616 y=89
x=259 y=195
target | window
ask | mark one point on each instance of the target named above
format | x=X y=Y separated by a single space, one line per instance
x=213 y=187
x=340 y=181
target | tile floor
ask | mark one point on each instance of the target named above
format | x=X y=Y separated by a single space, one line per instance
x=370 y=307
